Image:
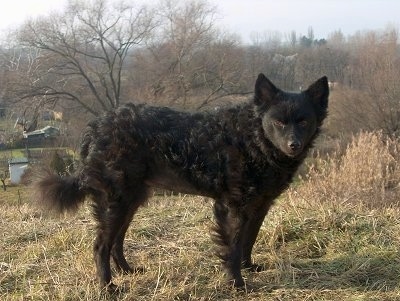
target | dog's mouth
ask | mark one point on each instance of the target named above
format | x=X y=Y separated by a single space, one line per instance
x=292 y=154
x=293 y=151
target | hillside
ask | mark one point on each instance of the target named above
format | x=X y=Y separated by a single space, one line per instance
x=333 y=236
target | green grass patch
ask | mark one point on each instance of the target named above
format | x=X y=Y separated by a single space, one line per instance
x=21 y=152
x=14 y=153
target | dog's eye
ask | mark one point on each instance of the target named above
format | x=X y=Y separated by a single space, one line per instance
x=302 y=123
x=279 y=123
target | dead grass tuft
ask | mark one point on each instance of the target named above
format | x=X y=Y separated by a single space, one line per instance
x=367 y=173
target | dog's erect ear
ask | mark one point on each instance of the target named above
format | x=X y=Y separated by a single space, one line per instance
x=318 y=93
x=265 y=91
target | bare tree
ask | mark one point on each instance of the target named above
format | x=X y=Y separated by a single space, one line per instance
x=3 y=176
x=189 y=63
x=321 y=59
x=292 y=39
x=222 y=73
x=81 y=54
x=374 y=99
x=188 y=28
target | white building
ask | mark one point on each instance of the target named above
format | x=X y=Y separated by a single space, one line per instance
x=17 y=167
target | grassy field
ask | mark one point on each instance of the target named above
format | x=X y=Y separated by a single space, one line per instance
x=323 y=240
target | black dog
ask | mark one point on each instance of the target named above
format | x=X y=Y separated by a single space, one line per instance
x=243 y=157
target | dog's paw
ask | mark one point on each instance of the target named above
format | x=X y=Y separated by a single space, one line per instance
x=111 y=288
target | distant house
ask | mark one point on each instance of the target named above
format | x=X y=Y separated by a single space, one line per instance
x=41 y=137
x=17 y=168
x=46 y=132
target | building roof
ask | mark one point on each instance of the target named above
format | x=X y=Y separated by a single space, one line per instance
x=47 y=131
x=22 y=160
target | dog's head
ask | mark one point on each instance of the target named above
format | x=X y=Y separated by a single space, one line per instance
x=291 y=120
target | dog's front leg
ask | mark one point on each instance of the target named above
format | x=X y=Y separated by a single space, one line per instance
x=102 y=259
x=257 y=214
x=229 y=235
x=233 y=264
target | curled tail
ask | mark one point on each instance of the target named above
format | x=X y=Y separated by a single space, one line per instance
x=58 y=193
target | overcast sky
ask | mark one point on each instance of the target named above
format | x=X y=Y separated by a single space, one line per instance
x=246 y=17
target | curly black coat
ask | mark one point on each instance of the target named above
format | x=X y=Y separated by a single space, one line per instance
x=243 y=157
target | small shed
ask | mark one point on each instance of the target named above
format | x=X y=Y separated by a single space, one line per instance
x=17 y=168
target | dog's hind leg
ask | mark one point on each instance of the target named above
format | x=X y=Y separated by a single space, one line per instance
x=113 y=217
x=117 y=252
x=103 y=242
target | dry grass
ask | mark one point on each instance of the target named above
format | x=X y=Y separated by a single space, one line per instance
x=368 y=173
x=322 y=241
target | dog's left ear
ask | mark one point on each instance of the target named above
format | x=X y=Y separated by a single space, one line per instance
x=318 y=92
x=265 y=91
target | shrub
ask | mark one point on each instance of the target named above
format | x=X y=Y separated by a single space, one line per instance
x=57 y=164
x=367 y=172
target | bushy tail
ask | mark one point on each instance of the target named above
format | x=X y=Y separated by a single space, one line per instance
x=58 y=193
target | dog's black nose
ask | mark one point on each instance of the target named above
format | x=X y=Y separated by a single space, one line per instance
x=294 y=145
